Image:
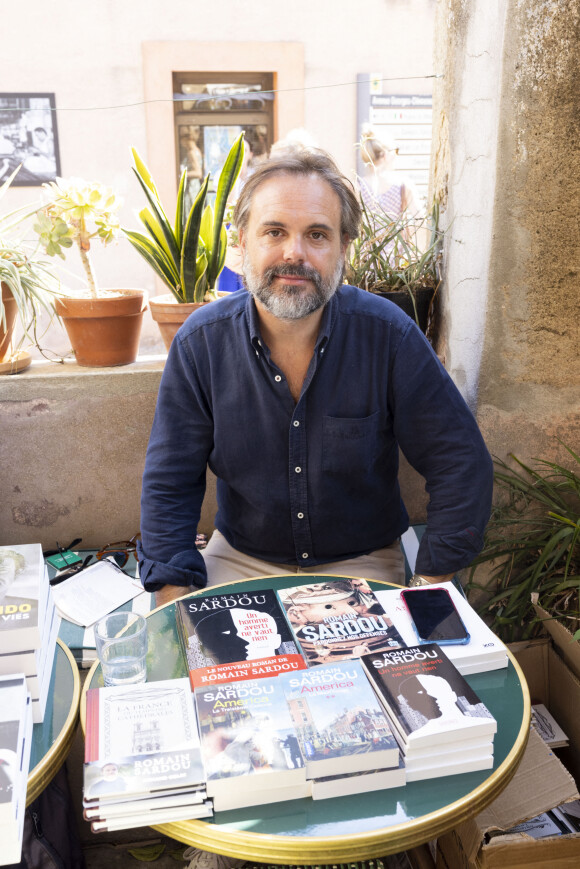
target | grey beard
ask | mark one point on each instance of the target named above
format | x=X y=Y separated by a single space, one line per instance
x=289 y=302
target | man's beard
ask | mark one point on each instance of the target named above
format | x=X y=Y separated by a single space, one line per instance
x=288 y=301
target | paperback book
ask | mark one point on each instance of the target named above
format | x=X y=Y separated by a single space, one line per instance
x=24 y=593
x=428 y=701
x=141 y=740
x=15 y=746
x=338 y=620
x=484 y=651
x=236 y=636
x=249 y=743
x=341 y=725
x=353 y=783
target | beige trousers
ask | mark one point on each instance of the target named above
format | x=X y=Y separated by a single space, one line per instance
x=226 y=564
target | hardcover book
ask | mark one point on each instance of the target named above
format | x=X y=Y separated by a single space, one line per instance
x=24 y=593
x=337 y=620
x=141 y=739
x=340 y=723
x=484 y=651
x=236 y=636
x=427 y=699
x=248 y=740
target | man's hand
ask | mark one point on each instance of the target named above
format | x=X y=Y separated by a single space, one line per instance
x=171 y=592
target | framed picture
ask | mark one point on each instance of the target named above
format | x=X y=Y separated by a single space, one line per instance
x=28 y=138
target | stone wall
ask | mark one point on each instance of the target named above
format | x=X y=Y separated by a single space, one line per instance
x=507 y=168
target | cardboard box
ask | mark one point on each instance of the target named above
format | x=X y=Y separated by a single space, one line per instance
x=540 y=783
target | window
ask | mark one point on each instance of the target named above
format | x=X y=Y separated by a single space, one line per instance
x=211 y=110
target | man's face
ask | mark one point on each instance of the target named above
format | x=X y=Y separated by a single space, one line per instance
x=292 y=248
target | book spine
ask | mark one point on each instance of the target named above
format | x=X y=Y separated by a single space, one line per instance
x=92 y=726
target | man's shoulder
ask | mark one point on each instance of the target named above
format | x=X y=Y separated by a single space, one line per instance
x=353 y=301
x=221 y=312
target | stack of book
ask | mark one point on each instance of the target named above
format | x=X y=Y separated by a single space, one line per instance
x=29 y=622
x=251 y=751
x=343 y=731
x=440 y=723
x=15 y=743
x=484 y=651
x=142 y=756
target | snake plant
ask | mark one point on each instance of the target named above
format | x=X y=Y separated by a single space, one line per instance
x=188 y=254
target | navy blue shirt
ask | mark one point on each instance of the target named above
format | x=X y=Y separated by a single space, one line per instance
x=314 y=481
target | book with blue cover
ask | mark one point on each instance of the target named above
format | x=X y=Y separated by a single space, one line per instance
x=341 y=725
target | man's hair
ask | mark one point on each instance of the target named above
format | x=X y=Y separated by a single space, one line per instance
x=303 y=161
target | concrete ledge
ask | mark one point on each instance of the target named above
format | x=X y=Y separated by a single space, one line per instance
x=72 y=451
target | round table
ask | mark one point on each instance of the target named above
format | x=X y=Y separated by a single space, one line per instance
x=346 y=828
x=52 y=739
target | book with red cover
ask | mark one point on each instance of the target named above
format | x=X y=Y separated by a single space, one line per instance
x=236 y=636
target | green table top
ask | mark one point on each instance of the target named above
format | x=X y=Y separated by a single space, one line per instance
x=52 y=739
x=348 y=828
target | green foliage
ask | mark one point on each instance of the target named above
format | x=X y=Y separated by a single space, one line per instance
x=396 y=254
x=28 y=277
x=531 y=545
x=188 y=254
x=77 y=211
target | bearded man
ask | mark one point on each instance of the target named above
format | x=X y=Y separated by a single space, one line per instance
x=298 y=396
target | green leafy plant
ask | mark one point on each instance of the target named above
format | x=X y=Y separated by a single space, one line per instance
x=188 y=254
x=532 y=547
x=26 y=275
x=391 y=254
x=77 y=211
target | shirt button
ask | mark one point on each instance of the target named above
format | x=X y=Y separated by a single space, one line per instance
x=304 y=555
x=277 y=378
x=298 y=470
x=296 y=423
x=300 y=515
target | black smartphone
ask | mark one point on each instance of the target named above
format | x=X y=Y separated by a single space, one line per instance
x=434 y=617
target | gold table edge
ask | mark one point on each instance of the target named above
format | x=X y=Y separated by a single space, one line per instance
x=46 y=769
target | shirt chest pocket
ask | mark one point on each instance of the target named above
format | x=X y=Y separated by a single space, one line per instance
x=349 y=446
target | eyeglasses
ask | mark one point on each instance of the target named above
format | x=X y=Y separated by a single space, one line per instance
x=119 y=551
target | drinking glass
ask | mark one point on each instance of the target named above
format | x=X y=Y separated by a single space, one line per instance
x=121 y=640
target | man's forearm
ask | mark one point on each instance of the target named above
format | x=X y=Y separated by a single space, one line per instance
x=172 y=592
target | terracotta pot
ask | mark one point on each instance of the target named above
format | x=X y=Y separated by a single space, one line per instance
x=169 y=314
x=104 y=331
x=423 y=297
x=10 y=312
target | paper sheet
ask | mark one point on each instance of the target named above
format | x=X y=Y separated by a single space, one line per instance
x=94 y=592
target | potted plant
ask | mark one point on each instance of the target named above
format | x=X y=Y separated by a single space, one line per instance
x=398 y=258
x=531 y=550
x=189 y=253
x=27 y=290
x=104 y=326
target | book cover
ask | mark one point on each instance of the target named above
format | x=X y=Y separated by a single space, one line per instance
x=353 y=783
x=141 y=739
x=426 y=697
x=13 y=702
x=236 y=636
x=547 y=726
x=248 y=738
x=341 y=725
x=24 y=591
x=337 y=620
x=484 y=651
